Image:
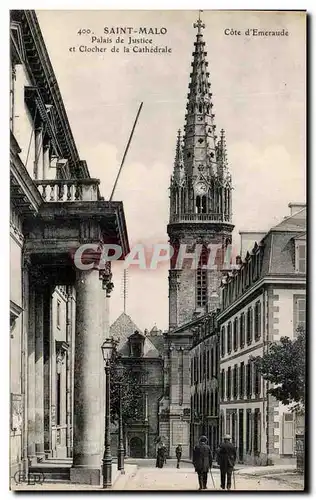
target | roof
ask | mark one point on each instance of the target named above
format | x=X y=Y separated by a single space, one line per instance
x=295 y=222
x=157 y=341
x=122 y=328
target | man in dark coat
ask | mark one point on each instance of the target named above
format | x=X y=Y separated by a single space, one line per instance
x=202 y=461
x=226 y=456
x=178 y=455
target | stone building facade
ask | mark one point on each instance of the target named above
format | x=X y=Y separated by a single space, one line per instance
x=204 y=369
x=199 y=229
x=142 y=354
x=261 y=302
x=57 y=308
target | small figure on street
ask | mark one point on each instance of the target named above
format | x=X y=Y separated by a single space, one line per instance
x=161 y=455
x=202 y=461
x=178 y=455
x=226 y=457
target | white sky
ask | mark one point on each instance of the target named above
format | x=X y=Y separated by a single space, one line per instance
x=258 y=87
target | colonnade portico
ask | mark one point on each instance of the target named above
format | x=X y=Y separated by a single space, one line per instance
x=60 y=229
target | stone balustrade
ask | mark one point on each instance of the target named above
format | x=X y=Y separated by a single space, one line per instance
x=209 y=217
x=63 y=190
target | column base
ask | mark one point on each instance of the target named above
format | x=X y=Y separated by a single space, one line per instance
x=82 y=474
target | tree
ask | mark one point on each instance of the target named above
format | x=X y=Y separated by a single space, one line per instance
x=131 y=393
x=284 y=365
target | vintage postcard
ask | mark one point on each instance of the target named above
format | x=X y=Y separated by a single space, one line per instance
x=158 y=250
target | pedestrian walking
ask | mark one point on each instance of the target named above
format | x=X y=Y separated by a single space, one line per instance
x=202 y=461
x=178 y=455
x=161 y=455
x=226 y=457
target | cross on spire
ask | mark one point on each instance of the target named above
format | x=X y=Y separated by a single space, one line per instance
x=199 y=24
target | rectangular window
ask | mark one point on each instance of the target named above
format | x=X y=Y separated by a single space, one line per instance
x=58 y=313
x=229 y=381
x=242 y=330
x=201 y=280
x=248 y=380
x=248 y=431
x=249 y=326
x=223 y=384
x=242 y=380
x=258 y=320
x=235 y=382
x=208 y=364
x=256 y=432
x=299 y=307
x=223 y=341
x=235 y=334
x=227 y=423
x=257 y=378
x=58 y=399
x=229 y=338
x=300 y=257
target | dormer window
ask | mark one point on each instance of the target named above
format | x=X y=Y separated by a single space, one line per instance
x=136 y=345
x=300 y=256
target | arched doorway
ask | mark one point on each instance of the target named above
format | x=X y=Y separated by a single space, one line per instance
x=136 y=447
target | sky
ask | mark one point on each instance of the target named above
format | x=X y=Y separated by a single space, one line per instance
x=258 y=86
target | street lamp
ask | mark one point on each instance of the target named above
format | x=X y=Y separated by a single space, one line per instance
x=107 y=349
x=120 y=445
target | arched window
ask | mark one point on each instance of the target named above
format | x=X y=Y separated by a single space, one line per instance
x=203 y=205
x=198 y=204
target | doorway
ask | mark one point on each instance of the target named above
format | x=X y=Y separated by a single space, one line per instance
x=136 y=446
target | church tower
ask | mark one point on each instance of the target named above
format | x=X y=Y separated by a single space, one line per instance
x=200 y=226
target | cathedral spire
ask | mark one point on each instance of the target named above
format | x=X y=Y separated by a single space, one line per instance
x=199 y=137
x=201 y=185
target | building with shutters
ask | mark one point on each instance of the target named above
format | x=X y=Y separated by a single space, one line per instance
x=262 y=301
x=204 y=370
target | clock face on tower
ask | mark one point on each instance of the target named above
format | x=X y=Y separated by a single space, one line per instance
x=201 y=188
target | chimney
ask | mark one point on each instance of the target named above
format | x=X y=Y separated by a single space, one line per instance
x=296 y=207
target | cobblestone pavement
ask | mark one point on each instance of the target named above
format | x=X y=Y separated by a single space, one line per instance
x=186 y=479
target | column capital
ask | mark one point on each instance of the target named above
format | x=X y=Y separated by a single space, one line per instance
x=106 y=276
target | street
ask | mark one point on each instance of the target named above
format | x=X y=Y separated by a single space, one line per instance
x=150 y=478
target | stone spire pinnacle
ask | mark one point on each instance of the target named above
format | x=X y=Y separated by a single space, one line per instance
x=221 y=155
x=199 y=137
x=178 y=171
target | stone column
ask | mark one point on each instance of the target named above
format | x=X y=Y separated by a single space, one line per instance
x=46 y=161
x=31 y=378
x=146 y=422
x=47 y=372
x=104 y=334
x=38 y=162
x=88 y=373
x=39 y=375
x=68 y=369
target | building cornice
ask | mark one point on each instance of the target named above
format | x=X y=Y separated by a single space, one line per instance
x=43 y=76
x=282 y=279
x=24 y=194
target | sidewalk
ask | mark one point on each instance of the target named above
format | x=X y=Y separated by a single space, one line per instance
x=118 y=482
x=264 y=470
